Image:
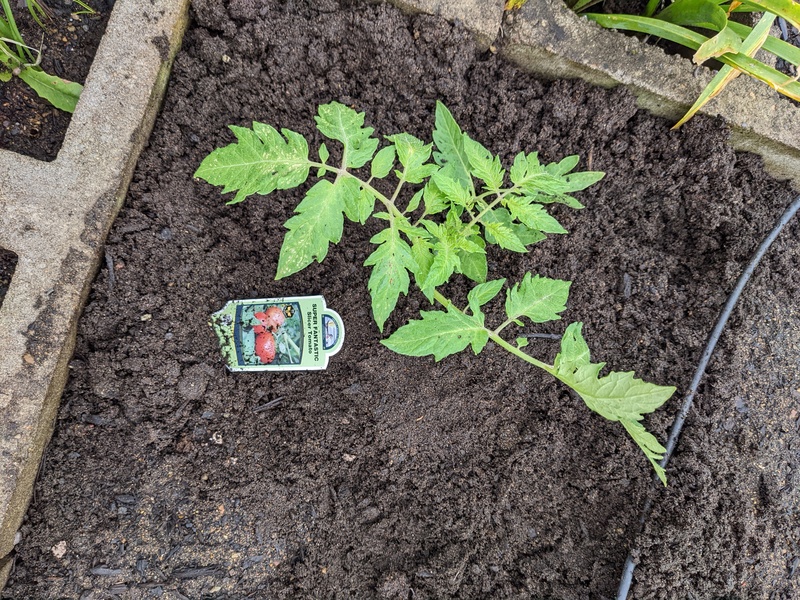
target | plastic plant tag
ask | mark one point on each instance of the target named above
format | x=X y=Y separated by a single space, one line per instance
x=278 y=334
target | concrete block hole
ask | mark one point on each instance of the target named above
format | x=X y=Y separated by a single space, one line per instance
x=8 y=262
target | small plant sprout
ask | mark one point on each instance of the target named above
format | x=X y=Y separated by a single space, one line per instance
x=451 y=199
x=85 y=9
x=17 y=60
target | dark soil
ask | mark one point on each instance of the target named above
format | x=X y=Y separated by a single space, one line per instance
x=395 y=477
x=28 y=124
x=8 y=262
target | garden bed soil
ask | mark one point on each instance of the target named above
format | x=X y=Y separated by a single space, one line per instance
x=395 y=477
x=8 y=262
x=28 y=124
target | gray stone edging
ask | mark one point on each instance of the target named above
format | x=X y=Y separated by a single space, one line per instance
x=55 y=217
x=481 y=17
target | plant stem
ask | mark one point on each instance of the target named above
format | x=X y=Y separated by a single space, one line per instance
x=394 y=212
x=503 y=325
x=489 y=206
x=397 y=189
x=444 y=301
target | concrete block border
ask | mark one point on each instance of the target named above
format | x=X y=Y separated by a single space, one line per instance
x=55 y=217
x=547 y=38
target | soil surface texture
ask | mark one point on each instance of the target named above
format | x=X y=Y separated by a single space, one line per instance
x=400 y=478
x=8 y=262
x=69 y=39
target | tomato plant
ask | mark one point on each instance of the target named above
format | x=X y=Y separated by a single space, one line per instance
x=451 y=199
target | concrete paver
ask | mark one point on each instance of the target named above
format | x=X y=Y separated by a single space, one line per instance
x=482 y=17
x=55 y=217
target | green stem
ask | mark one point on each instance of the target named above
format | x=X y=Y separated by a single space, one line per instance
x=519 y=353
x=489 y=206
x=444 y=301
x=397 y=189
x=503 y=325
x=394 y=212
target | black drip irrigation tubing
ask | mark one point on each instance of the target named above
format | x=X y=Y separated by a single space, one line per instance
x=677 y=425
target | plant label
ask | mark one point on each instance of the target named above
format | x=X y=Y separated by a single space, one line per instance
x=278 y=334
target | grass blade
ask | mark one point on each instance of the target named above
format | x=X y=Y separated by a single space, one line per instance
x=776 y=46
x=725 y=42
x=699 y=13
x=14 y=35
x=788 y=9
x=778 y=81
x=726 y=74
x=581 y=5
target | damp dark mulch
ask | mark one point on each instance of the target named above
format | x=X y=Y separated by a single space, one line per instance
x=393 y=477
x=68 y=41
x=8 y=263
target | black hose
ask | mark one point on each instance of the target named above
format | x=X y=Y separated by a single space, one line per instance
x=675 y=432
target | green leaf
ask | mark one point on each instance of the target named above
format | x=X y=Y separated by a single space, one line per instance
x=413 y=154
x=435 y=200
x=649 y=444
x=358 y=202
x=452 y=189
x=382 y=163
x=523 y=164
x=449 y=140
x=580 y=181
x=445 y=262
x=318 y=221
x=391 y=262
x=617 y=396
x=324 y=155
x=483 y=165
x=473 y=265
x=564 y=166
x=470 y=245
x=261 y=162
x=483 y=293
x=725 y=41
x=413 y=204
x=439 y=333
x=422 y=253
x=339 y=122
x=410 y=230
x=538 y=298
x=533 y=215
x=525 y=235
x=550 y=183
x=504 y=237
x=59 y=92
x=700 y=13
